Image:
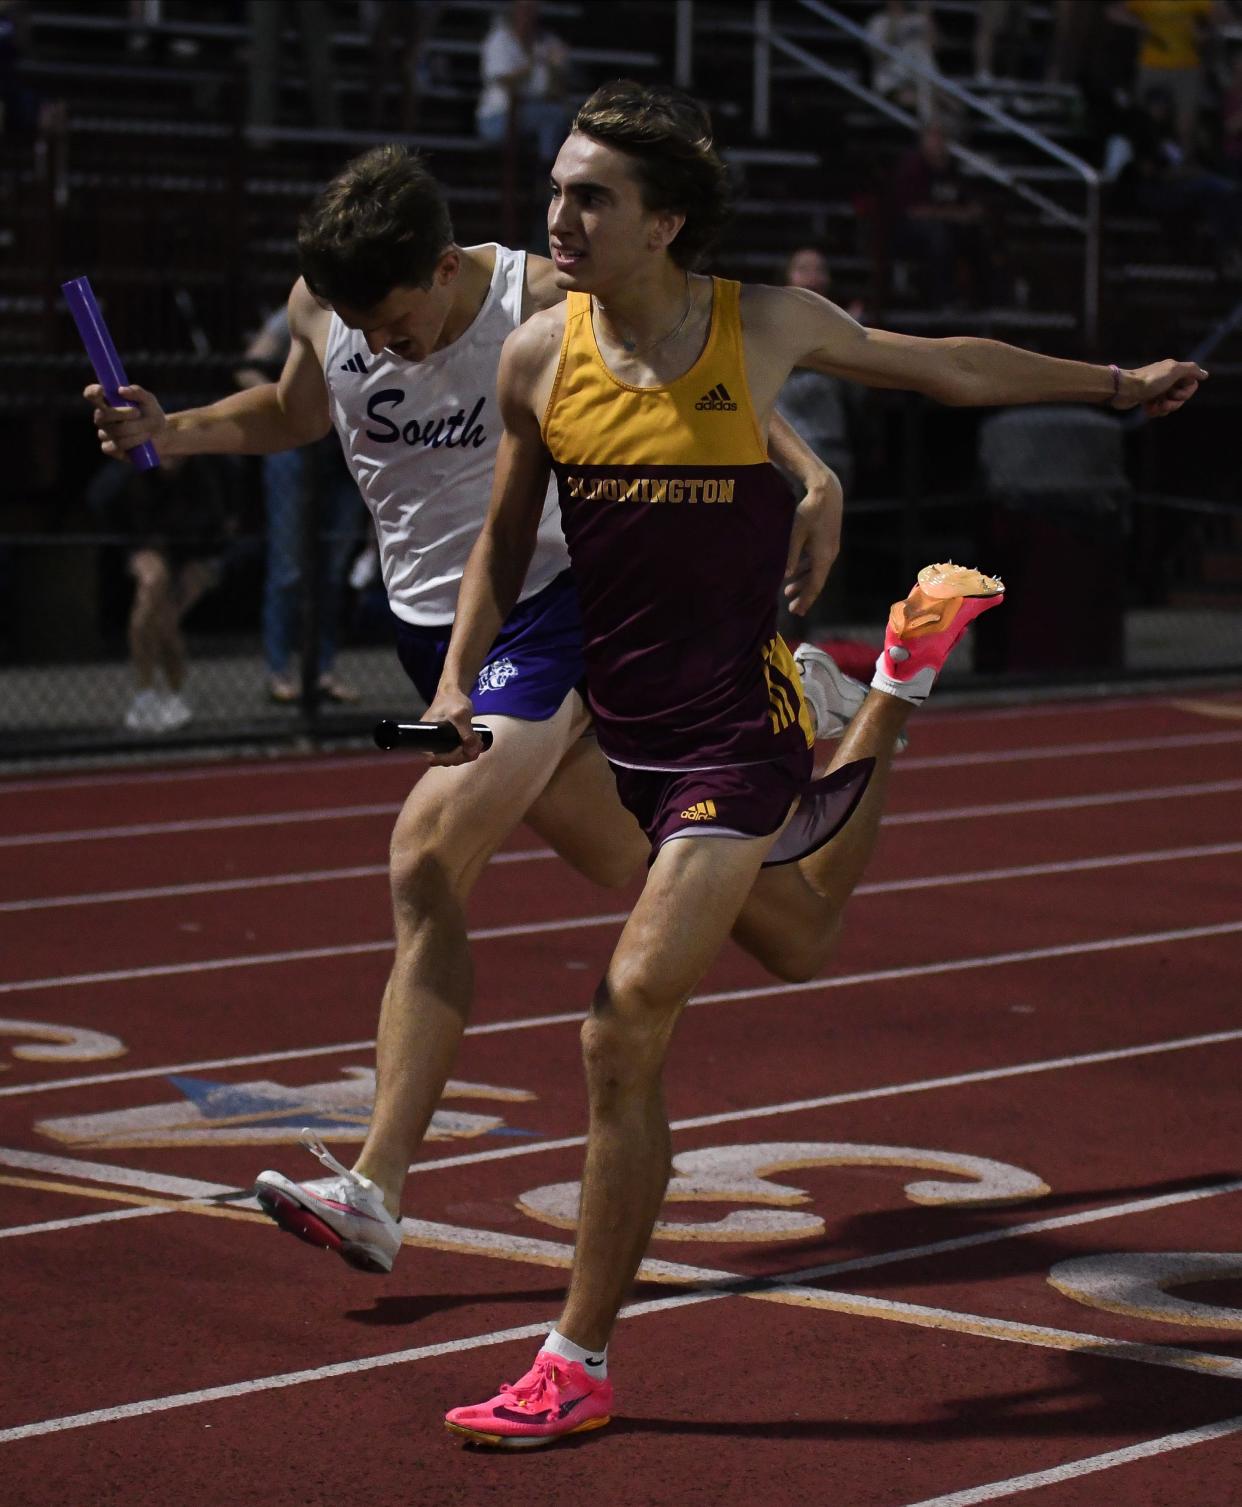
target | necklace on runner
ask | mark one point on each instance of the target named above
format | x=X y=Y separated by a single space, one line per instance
x=632 y=346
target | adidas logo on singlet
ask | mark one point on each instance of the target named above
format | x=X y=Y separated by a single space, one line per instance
x=355 y=364
x=716 y=401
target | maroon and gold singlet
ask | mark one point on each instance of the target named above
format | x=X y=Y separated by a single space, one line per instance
x=678 y=530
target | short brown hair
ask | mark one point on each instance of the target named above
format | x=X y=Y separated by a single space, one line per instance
x=668 y=136
x=381 y=224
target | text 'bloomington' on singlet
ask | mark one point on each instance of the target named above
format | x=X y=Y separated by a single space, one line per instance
x=421 y=438
x=678 y=531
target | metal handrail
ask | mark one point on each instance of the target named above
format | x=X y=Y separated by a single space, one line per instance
x=767 y=39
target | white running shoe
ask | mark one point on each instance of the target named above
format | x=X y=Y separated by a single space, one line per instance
x=833 y=696
x=344 y=1213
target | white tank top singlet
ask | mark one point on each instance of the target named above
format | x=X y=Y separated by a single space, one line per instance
x=421 y=438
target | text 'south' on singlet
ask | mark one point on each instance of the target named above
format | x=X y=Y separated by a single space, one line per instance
x=678 y=530
x=421 y=438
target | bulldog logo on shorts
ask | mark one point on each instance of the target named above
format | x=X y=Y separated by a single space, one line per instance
x=491 y=677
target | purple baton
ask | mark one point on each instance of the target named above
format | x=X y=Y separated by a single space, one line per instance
x=99 y=347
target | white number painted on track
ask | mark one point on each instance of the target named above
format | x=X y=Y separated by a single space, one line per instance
x=739 y=1174
x=61 y=1043
x=1136 y=1283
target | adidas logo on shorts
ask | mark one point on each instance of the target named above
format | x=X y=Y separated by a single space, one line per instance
x=701 y=811
x=716 y=401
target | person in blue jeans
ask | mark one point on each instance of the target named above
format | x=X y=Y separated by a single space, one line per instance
x=288 y=479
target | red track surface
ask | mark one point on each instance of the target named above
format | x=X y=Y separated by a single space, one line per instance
x=973 y=1011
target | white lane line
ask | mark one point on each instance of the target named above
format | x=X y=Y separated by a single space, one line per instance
x=780 y=1287
x=162 y=1183
x=269 y=1383
x=1066 y=803
x=341 y=813
x=526 y=1023
x=224 y=771
x=201 y=824
x=453 y=1238
x=377 y=870
x=365 y=761
x=1131 y=1209
x=254 y=1059
x=1072 y=1469
x=860 y=1096
x=211 y=965
x=991 y=960
x=1153 y=744
x=110 y=1217
x=982 y=1326
x=208 y=887
x=531 y=1022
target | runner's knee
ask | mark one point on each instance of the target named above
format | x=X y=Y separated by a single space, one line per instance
x=626 y=1035
x=419 y=878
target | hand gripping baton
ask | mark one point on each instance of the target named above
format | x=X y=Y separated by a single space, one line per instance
x=426 y=737
x=89 y=319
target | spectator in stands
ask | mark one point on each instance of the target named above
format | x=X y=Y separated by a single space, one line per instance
x=1171 y=56
x=23 y=111
x=909 y=29
x=312 y=21
x=524 y=70
x=398 y=31
x=1004 y=22
x=176 y=523
x=288 y=478
x=1081 y=52
x=939 y=224
x=1231 y=120
x=1148 y=160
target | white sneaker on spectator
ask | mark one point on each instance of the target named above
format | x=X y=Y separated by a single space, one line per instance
x=174 y=711
x=144 y=713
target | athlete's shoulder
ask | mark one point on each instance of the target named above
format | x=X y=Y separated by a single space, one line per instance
x=537 y=341
x=792 y=319
x=307 y=316
x=763 y=303
x=541 y=289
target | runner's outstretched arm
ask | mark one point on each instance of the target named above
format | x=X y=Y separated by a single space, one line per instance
x=260 y=420
x=960 y=370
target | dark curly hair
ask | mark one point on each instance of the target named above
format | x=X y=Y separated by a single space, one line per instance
x=381 y=224
x=668 y=137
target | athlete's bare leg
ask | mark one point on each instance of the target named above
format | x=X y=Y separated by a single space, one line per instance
x=581 y=816
x=792 y=920
x=693 y=893
x=452 y=823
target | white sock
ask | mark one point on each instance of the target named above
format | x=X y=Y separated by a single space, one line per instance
x=595 y=1365
x=916 y=689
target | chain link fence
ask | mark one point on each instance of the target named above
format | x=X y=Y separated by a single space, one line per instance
x=212 y=600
